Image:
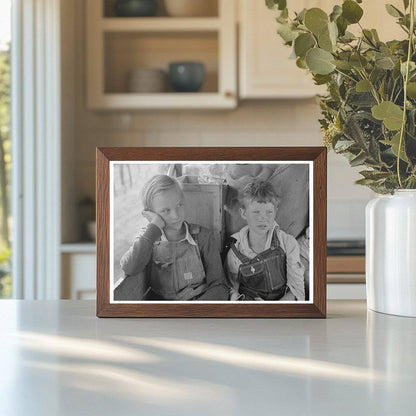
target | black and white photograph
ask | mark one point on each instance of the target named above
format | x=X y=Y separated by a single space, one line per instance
x=185 y=231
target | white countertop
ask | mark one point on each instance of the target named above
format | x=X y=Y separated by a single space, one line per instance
x=57 y=358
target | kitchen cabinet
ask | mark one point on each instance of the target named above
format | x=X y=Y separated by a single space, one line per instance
x=265 y=70
x=346 y=277
x=78 y=263
x=118 y=45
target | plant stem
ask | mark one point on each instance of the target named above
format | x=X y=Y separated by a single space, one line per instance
x=397 y=95
x=406 y=78
x=369 y=41
x=373 y=90
x=404 y=29
x=392 y=90
x=345 y=75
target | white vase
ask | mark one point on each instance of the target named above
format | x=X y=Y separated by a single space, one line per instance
x=391 y=253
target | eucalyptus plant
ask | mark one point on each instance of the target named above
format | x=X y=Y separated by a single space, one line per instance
x=369 y=112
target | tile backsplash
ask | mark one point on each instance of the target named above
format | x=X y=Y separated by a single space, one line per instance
x=271 y=123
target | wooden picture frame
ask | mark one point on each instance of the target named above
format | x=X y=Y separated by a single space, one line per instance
x=314 y=157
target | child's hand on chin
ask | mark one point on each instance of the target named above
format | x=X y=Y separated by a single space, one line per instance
x=235 y=296
x=154 y=218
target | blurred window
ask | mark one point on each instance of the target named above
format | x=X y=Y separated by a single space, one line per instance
x=5 y=150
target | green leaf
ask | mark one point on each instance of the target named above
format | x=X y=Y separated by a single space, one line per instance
x=363 y=86
x=405 y=21
x=412 y=67
x=393 y=11
x=351 y=11
x=381 y=89
x=300 y=17
x=321 y=79
x=377 y=74
x=343 y=145
x=385 y=63
x=361 y=99
x=276 y=4
x=390 y=113
x=319 y=61
x=303 y=43
x=281 y=19
x=301 y=63
x=375 y=35
x=316 y=20
x=386 y=50
x=325 y=43
x=411 y=119
x=327 y=39
x=336 y=12
x=364 y=181
x=353 y=130
x=368 y=36
x=343 y=65
x=333 y=32
x=374 y=150
x=396 y=71
x=334 y=91
x=358 y=61
x=411 y=90
x=342 y=25
x=394 y=144
x=347 y=37
x=375 y=175
x=358 y=160
x=406 y=4
x=286 y=32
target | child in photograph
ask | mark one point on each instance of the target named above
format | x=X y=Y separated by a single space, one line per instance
x=263 y=262
x=182 y=260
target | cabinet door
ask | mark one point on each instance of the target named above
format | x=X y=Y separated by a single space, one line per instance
x=78 y=276
x=265 y=68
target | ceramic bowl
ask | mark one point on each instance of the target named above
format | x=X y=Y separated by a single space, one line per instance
x=147 y=80
x=135 y=8
x=186 y=76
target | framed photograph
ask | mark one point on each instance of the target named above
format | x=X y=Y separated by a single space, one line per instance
x=211 y=232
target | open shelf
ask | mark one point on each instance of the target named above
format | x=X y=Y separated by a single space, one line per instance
x=127 y=51
x=116 y=46
x=165 y=101
x=80 y=247
x=211 y=9
x=160 y=24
